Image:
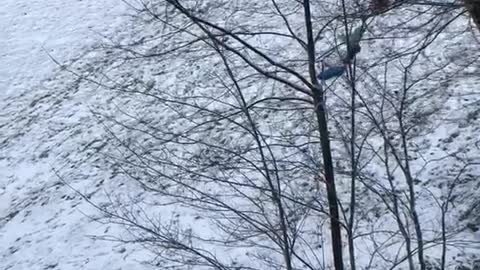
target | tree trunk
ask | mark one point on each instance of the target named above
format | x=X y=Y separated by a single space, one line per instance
x=319 y=104
x=473 y=7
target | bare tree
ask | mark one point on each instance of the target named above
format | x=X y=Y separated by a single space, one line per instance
x=227 y=118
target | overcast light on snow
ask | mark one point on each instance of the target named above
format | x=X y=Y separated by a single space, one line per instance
x=57 y=235
x=53 y=149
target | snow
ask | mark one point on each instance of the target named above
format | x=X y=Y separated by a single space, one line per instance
x=43 y=223
x=46 y=127
x=30 y=29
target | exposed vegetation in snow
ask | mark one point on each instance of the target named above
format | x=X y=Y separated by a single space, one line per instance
x=188 y=137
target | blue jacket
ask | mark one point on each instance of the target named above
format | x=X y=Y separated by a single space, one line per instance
x=331 y=72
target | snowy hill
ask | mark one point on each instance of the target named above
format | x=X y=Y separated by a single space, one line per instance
x=142 y=136
x=43 y=126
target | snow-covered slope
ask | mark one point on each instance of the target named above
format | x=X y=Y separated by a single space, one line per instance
x=43 y=126
x=46 y=126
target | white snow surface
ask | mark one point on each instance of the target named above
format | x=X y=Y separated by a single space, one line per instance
x=43 y=223
x=46 y=126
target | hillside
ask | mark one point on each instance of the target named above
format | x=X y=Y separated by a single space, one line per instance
x=129 y=143
x=43 y=126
